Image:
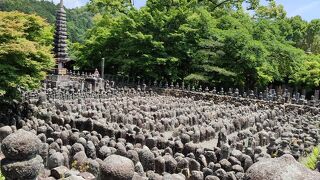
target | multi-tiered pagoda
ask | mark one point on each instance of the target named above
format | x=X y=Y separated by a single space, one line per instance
x=60 y=40
x=60 y=78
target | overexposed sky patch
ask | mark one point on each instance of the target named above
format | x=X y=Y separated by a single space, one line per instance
x=311 y=6
x=307 y=9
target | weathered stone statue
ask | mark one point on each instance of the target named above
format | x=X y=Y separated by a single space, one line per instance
x=22 y=160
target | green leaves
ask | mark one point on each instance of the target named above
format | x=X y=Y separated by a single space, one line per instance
x=78 y=19
x=210 y=41
x=312 y=159
x=25 y=52
x=218 y=70
x=196 y=78
x=308 y=72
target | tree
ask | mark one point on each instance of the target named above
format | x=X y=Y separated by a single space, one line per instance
x=279 y=36
x=308 y=73
x=25 y=52
x=110 y=6
x=215 y=42
x=163 y=40
x=313 y=36
x=299 y=31
x=78 y=19
x=272 y=11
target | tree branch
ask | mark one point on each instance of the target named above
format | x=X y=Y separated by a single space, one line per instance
x=223 y=2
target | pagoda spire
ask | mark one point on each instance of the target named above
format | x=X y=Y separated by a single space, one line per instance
x=60 y=39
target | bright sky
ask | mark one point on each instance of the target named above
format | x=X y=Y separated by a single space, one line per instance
x=307 y=9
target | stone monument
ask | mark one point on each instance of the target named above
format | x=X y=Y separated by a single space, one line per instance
x=60 y=41
x=60 y=77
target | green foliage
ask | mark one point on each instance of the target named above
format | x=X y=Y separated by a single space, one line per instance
x=298 y=32
x=210 y=41
x=304 y=35
x=25 y=51
x=110 y=6
x=271 y=11
x=308 y=72
x=44 y=9
x=196 y=78
x=312 y=159
x=313 y=36
x=78 y=20
x=2 y=177
x=168 y=40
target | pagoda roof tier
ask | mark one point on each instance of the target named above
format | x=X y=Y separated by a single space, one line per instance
x=61 y=19
x=60 y=36
x=61 y=45
x=61 y=14
x=61 y=54
x=62 y=59
x=60 y=25
x=61 y=10
x=61 y=29
x=64 y=33
x=58 y=31
x=61 y=50
x=56 y=44
x=60 y=41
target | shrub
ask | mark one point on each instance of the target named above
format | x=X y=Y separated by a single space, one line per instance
x=311 y=160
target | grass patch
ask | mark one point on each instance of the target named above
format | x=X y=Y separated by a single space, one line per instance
x=311 y=160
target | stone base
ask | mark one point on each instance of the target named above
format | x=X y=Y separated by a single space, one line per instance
x=59 y=80
x=61 y=71
x=22 y=170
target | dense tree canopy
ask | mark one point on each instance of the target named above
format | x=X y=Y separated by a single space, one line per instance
x=210 y=41
x=25 y=51
x=79 y=19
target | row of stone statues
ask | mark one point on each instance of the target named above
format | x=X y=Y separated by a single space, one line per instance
x=132 y=134
x=91 y=85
